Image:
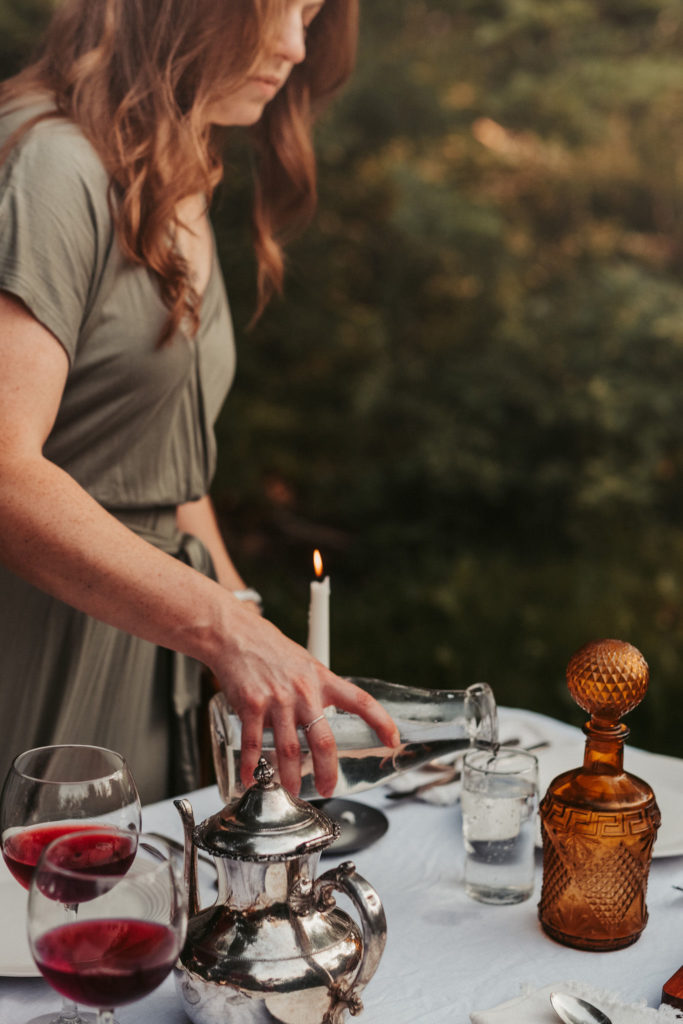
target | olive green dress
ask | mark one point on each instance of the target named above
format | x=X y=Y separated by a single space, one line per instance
x=136 y=429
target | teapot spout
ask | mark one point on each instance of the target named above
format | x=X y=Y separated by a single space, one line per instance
x=190 y=874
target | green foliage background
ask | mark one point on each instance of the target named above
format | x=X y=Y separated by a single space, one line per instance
x=469 y=396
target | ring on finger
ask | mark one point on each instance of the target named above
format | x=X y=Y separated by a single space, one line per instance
x=313 y=722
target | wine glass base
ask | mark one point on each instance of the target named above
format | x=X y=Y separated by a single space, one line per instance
x=82 y=1017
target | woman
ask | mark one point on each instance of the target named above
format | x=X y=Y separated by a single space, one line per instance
x=117 y=352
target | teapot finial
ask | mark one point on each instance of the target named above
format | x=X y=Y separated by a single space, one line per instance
x=264 y=773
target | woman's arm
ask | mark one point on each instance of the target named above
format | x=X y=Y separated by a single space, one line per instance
x=199 y=519
x=53 y=534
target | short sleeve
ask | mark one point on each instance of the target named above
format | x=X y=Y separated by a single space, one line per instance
x=53 y=214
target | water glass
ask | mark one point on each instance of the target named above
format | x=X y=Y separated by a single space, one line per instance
x=499 y=801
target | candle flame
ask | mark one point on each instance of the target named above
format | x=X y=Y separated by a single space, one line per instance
x=318 y=563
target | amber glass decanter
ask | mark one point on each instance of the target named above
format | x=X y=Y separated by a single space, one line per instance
x=598 y=822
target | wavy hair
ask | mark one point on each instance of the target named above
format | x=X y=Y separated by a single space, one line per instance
x=138 y=77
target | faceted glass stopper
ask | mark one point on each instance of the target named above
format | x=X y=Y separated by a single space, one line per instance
x=608 y=678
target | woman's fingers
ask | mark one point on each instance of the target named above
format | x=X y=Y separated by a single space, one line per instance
x=321 y=742
x=348 y=697
x=252 y=741
x=323 y=749
x=288 y=750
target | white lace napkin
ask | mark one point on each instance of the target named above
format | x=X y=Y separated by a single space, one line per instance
x=533 y=1007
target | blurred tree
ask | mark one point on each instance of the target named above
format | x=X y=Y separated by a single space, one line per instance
x=21 y=22
x=468 y=397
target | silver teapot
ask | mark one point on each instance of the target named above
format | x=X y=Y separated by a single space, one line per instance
x=274 y=946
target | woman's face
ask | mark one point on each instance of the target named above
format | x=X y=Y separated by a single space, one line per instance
x=244 y=104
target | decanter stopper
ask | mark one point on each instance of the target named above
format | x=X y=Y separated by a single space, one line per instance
x=598 y=822
x=607 y=678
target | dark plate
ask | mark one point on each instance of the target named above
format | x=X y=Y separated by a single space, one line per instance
x=360 y=824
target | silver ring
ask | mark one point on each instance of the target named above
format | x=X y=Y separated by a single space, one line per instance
x=311 y=724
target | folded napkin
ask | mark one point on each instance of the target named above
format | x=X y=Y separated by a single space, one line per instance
x=533 y=1007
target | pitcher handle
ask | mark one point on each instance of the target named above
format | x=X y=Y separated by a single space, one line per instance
x=346 y=879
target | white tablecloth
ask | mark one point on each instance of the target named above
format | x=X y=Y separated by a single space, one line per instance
x=446 y=955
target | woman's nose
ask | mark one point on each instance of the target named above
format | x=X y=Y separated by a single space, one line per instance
x=290 y=43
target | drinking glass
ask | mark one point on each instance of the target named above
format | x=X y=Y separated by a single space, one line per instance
x=499 y=800
x=129 y=930
x=52 y=791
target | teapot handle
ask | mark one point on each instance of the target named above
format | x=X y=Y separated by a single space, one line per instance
x=345 y=879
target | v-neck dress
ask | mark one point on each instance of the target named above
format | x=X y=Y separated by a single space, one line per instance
x=135 y=429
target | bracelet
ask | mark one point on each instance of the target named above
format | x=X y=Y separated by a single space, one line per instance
x=249 y=594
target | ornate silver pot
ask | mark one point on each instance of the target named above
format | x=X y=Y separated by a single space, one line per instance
x=274 y=946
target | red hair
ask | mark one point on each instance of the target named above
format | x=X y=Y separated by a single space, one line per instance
x=138 y=76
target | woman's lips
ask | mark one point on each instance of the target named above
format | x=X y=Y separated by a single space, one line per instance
x=268 y=83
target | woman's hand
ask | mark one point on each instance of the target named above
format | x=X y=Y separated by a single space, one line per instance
x=271 y=681
x=276 y=683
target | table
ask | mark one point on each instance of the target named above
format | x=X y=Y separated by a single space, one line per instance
x=446 y=955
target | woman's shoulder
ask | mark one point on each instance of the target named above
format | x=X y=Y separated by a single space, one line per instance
x=53 y=150
x=56 y=229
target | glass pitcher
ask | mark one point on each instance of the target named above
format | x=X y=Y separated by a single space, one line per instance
x=432 y=723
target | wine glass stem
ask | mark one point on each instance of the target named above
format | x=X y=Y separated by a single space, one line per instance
x=69 y=1013
x=105 y=1017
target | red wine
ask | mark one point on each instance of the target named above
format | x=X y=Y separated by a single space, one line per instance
x=106 y=963
x=21 y=850
x=86 y=865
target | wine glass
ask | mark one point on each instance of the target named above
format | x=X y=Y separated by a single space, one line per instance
x=130 y=926
x=51 y=791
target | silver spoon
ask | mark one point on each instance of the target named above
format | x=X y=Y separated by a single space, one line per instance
x=573 y=1010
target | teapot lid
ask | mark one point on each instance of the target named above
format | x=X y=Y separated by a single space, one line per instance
x=266 y=823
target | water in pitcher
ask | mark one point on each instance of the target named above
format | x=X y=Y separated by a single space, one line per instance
x=431 y=723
